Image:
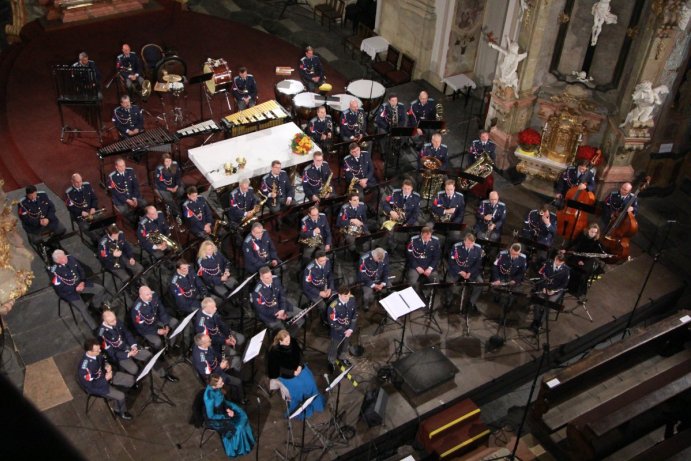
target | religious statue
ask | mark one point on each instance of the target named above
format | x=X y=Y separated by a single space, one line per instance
x=601 y=15
x=645 y=98
x=507 y=75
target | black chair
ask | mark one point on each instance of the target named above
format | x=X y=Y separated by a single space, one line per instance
x=388 y=65
x=334 y=15
x=200 y=420
x=404 y=73
x=353 y=42
x=151 y=54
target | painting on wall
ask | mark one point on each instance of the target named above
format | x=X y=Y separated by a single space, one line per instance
x=464 y=37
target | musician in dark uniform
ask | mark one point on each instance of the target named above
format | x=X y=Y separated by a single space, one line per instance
x=403 y=199
x=84 y=61
x=270 y=302
x=223 y=339
x=128 y=118
x=391 y=114
x=129 y=68
x=82 y=204
x=583 y=266
x=373 y=274
x=353 y=123
x=422 y=258
x=508 y=271
x=554 y=278
x=321 y=128
x=259 y=250
x=150 y=318
x=124 y=191
x=434 y=149
x=491 y=214
x=206 y=361
x=358 y=165
x=615 y=203
x=186 y=288
x=69 y=281
x=481 y=145
x=317 y=279
x=215 y=270
x=579 y=175
x=242 y=203
x=117 y=256
x=168 y=184
x=244 y=89
x=449 y=206
x=311 y=70
x=197 y=214
x=342 y=315
x=465 y=263
x=315 y=176
x=152 y=223
x=96 y=377
x=315 y=226
x=277 y=187
x=540 y=226
x=352 y=220
x=37 y=214
x=423 y=108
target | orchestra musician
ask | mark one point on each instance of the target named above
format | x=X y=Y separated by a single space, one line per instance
x=353 y=123
x=508 y=270
x=259 y=250
x=358 y=165
x=491 y=214
x=423 y=108
x=311 y=70
x=224 y=341
x=186 y=288
x=405 y=200
x=342 y=315
x=422 y=258
x=215 y=270
x=554 y=278
x=540 y=225
x=128 y=118
x=434 y=149
x=206 y=361
x=579 y=175
x=465 y=264
x=82 y=204
x=242 y=203
x=129 y=68
x=276 y=185
x=84 y=61
x=117 y=255
x=615 y=202
x=168 y=184
x=314 y=229
x=352 y=219
x=153 y=223
x=321 y=128
x=449 y=205
x=373 y=274
x=270 y=303
x=151 y=320
x=481 y=145
x=583 y=267
x=37 y=214
x=318 y=281
x=391 y=114
x=314 y=178
x=244 y=89
x=124 y=191
x=197 y=214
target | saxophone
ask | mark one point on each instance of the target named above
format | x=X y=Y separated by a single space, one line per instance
x=482 y=167
x=157 y=238
x=274 y=190
x=326 y=188
x=218 y=223
x=255 y=211
x=389 y=224
x=312 y=242
x=351 y=186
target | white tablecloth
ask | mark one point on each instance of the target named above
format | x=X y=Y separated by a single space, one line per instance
x=459 y=82
x=259 y=148
x=374 y=45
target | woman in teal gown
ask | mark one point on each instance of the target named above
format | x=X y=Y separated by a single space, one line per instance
x=228 y=419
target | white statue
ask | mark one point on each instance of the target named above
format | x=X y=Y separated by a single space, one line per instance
x=601 y=15
x=645 y=98
x=506 y=74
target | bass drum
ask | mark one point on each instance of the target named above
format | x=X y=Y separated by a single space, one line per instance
x=336 y=108
x=305 y=106
x=371 y=93
x=171 y=65
x=285 y=91
x=222 y=75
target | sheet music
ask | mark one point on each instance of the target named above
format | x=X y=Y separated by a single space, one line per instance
x=254 y=347
x=239 y=287
x=306 y=404
x=150 y=365
x=338 y=379
x=183 y=324
x=402 y=302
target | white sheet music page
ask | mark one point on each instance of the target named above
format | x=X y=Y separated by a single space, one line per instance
x=402 y=303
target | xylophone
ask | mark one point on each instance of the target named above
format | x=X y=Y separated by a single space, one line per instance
x=206 y=127
x=157 y=139
x=259 y=117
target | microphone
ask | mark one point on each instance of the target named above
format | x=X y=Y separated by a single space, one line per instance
x=671 y=221
x=259 y=401
x=326 y=377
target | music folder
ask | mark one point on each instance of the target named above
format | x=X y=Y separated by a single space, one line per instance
x=402 y=303
x=432 y=125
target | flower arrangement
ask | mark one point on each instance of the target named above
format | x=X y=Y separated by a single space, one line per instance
x=301 y=144
x=529 y=138
x=587 y=153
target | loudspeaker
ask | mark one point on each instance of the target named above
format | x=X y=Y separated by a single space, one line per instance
x=374 y=406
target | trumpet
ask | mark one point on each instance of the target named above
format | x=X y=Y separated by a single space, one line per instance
x=326 y=188
x=116 y=247
x=252 y=216
x=158 y=238
x=91 y=216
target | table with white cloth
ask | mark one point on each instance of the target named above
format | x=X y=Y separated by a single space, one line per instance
x=459 y=83
x=374 y=45
x=259 y=149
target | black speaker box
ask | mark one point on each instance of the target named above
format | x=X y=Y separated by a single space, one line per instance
x=374 y=406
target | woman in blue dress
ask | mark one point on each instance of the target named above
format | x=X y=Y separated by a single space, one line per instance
x=285 y=364
x=228 y=419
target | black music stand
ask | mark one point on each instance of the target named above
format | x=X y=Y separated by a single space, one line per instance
x=496 y=341
x=580 y=208
x=197 y=79
x=401 y=304
x=436 y=125
x=395 y=134
x=429 y=314
x=538 y=299
x=154 y=395
x=77 y=86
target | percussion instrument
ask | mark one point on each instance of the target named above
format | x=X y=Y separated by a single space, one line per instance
x=157 y=139
x=170 y=65
x=325 y=87
x=172 y=78
x=304 y=106
x=336 y=108
x=371 y=93
x=222 y=78
x=286 y=90
x=208 y=126
x=176 y=88
x=259 y=117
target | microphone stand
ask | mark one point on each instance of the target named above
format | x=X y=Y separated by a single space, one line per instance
x=259 y=411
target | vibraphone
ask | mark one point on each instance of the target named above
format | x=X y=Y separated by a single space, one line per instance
x=259 y=117
x=206 y=127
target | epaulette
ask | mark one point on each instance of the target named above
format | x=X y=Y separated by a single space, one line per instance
x=103 y=241
x=186 y=202
x=137 y=304
x=521 y=255
x=53 y=267
x=250 y=75
x=443 y=145
x=415 y=237
x=40 y=192
x=310 y=265
x=501 y=203
x=258 y=287
x=128 y=168
x=477 y=245
x=69 y=189
x=305 y=218
x=143 y=220
x=427 y=144
x=111 y=174
x=415 y=193
x=175 y=278
x=395 y=190
x=434 y=237
x=322 y=214
x=248 y=238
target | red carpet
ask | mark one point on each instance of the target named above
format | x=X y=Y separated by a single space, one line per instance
x=29 y=118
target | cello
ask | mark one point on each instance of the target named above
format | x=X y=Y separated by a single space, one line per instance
x=622 y=226
x=572 y=221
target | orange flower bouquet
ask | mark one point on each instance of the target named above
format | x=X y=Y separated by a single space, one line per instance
x=301 y=144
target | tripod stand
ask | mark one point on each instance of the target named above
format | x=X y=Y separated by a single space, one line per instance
x=154 y=395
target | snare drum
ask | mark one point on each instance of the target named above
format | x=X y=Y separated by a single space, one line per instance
x=370 y=92
x=304 y=106
x=221 y=79
x=176 y=88
x=337 y=108
x=286 y=90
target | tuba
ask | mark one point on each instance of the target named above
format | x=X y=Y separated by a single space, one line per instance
x=482 y=167
x=157 y=238
x=326 y=188
x=389 y=224
x=431 y=181
x=255 y=211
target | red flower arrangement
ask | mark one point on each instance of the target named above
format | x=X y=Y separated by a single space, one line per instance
x=587 y=153
x=529 y=137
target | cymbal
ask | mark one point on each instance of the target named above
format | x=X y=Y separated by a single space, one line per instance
x=172 y=78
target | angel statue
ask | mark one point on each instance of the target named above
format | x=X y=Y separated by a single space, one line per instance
x=506 y=74
x=601 y=15
x=645 y=98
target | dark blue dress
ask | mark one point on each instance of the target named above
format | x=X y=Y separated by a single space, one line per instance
x=236 y=431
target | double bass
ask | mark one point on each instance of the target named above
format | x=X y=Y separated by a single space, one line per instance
x=622 y=226
x=572 y=221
